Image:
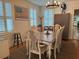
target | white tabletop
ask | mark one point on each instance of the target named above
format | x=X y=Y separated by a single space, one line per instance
x=47 y=38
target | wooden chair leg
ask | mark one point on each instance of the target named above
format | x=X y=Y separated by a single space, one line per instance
x=14 y=43
x=17 y=41
x=20 y=38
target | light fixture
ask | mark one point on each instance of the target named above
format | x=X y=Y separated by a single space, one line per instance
x=52 y=4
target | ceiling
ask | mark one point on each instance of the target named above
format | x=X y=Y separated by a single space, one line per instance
x=43 y=2
x=39 y=2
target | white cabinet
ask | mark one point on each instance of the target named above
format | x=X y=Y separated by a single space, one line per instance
x=4 y=47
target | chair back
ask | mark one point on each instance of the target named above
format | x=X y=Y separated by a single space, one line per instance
x=37 y=34
x=58 y=37
x=56 y=27
x=34 y=43
x=61 y=32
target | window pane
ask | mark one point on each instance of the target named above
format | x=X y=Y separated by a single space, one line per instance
x=9 y=25
x=31 y=13
x=31 y=22
x=8 y=9
x=1 y=9
x=48 y=17
x=2 y=25
x=35 y=14
x=33 y=17
x=35 y=22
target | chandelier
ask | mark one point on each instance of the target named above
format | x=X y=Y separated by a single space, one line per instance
x=52 y=4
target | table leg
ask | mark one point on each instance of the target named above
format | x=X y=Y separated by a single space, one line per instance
x=27 y=46
x=49 y=51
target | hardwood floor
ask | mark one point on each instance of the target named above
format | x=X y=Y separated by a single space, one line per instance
x=69 y=50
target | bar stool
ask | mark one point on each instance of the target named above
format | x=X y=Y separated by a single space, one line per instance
x=17 y=39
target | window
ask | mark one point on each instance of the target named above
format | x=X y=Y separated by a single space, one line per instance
x=2 y=26
x=1 y=9
x=48 y=17
x=9 y=21
x=33 y=17
x=8 y=9
x=6 y=22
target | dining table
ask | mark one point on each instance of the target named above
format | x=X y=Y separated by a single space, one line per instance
x=48 y=39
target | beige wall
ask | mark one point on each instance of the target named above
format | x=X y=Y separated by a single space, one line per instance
x=19 y=25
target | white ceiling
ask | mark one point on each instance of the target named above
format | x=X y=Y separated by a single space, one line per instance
x=38 y=2
x=43 y=2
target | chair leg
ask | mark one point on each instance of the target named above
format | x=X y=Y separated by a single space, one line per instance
x=27 y=51
x=29 y=55
x=54 y=54
x=27 y=48
x=40 y=56
x=58 y=50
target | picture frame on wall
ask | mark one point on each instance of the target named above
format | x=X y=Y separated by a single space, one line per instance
x=21 y=13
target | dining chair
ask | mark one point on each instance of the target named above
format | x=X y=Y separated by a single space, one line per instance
x=27 y=42
x=60 y=37
x=37 y=34
x=56 y=27
x=56 y=45
x=36 y=47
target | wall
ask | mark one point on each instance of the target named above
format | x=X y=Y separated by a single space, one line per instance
x=21 y=26
x=71 y=5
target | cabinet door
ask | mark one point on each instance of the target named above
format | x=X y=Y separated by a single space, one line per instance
x=63 y=19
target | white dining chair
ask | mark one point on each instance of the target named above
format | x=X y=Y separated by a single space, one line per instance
x=56 y=27
x=56 y=45
x=60 y=37
x=37 y=34
x=27 y=42
x=35 y=46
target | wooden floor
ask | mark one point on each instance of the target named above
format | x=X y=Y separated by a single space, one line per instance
x=69 y=50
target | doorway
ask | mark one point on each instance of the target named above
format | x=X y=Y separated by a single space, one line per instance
x=76 y=24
